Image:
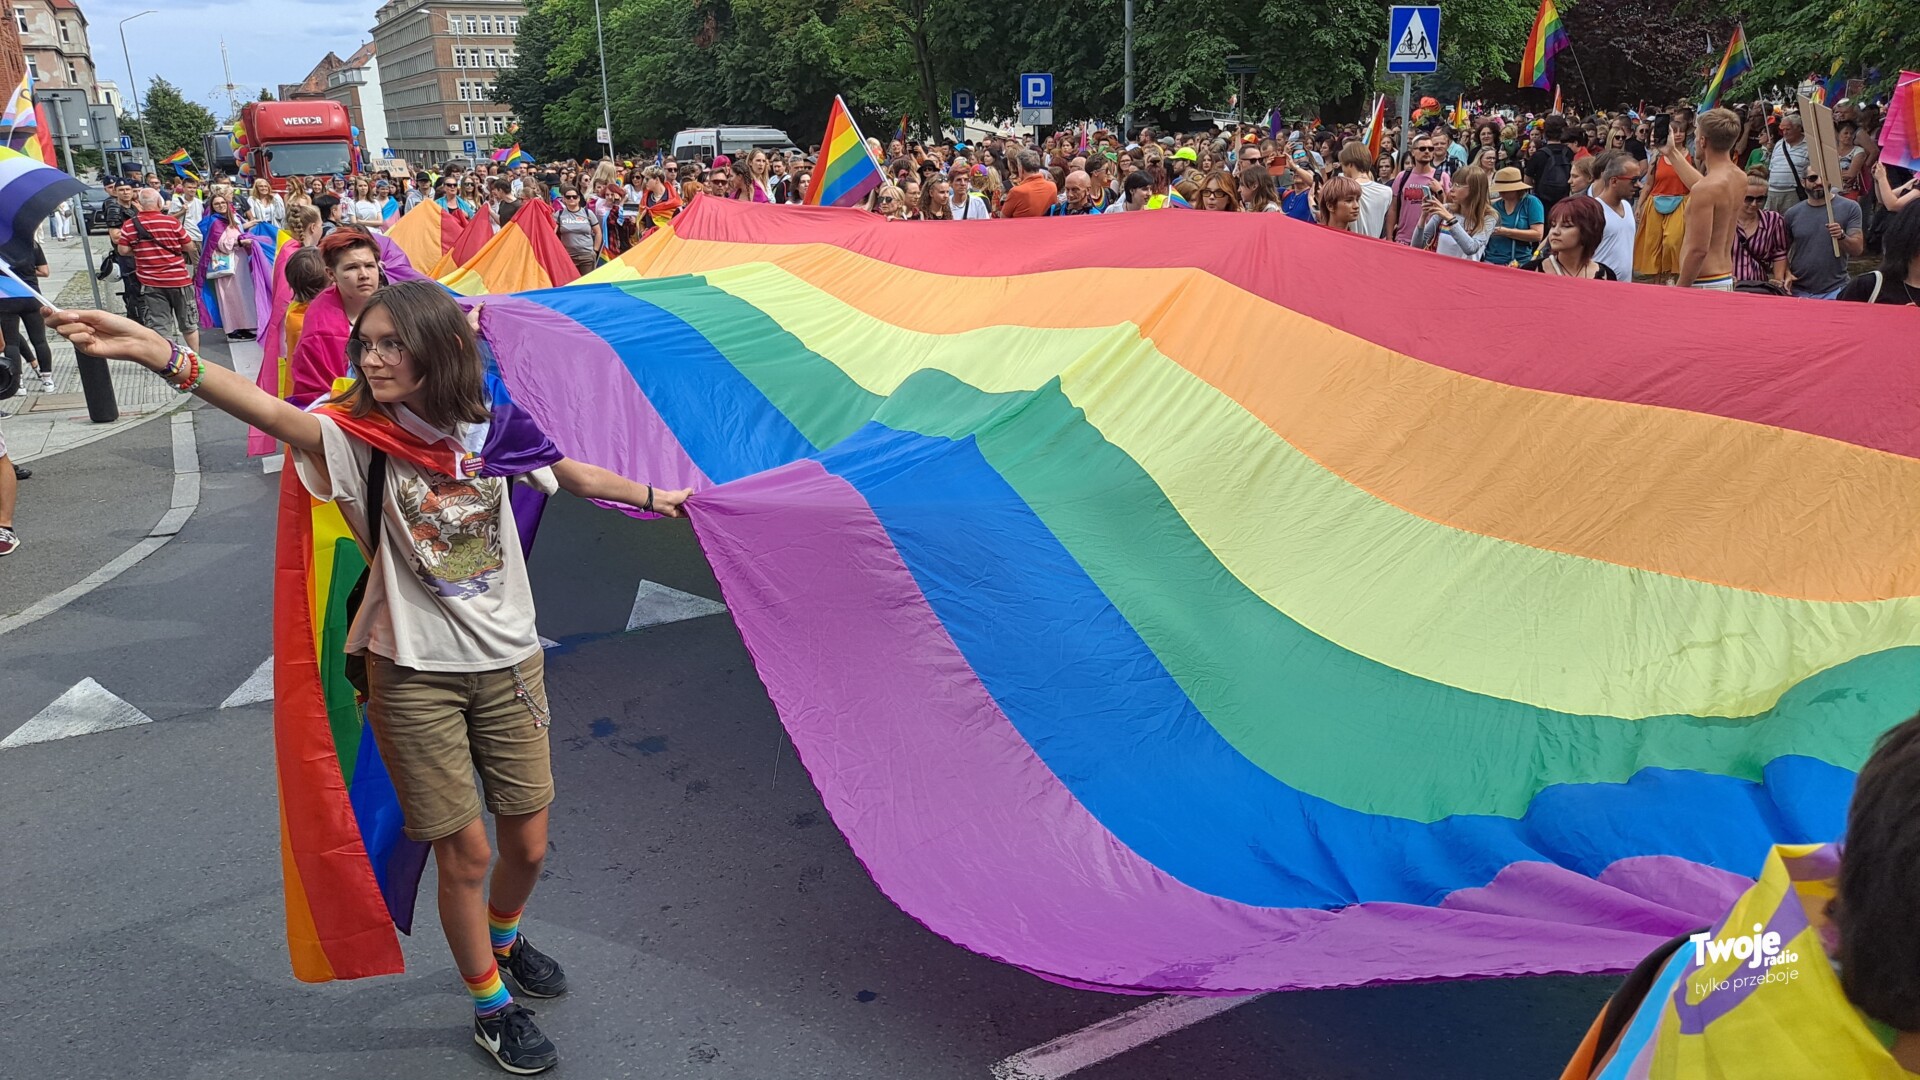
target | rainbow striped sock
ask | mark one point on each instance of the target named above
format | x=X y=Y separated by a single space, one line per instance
x=489 y=993
x=503 y=928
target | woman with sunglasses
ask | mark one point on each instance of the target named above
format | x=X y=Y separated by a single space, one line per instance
x=455 y=682
x=889 y=203
x=578 y=228
x=1218 y=192
x=1760 y=240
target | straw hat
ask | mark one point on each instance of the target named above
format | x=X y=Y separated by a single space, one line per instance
x=1509 y=179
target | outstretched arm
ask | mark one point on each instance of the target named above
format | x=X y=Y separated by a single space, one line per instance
x=594 y=482
x=105 y=334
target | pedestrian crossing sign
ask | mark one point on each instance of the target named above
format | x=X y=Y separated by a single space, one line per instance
x=1413 y=40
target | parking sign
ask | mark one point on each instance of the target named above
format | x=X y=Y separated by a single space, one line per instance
x=1036 y=90
x=470 y=147
x=964 y=106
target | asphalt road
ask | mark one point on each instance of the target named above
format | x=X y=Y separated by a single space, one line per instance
x=713 y=922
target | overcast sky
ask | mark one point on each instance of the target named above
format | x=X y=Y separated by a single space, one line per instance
x=268 y=41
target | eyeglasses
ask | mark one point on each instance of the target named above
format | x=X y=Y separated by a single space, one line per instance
x=571 y=195
x=1423 y=149
x=1755 y=200
x=1212 y=193
x=388 y=349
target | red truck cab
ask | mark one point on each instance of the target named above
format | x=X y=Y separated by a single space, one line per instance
x=280 y=139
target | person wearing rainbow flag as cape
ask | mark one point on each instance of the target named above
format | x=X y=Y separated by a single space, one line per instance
x=1815 y=971
x=418 y=451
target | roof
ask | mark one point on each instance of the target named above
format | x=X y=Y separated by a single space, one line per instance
x=316 y=81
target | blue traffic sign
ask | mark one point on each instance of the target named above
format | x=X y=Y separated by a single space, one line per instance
x=1036 y=90
x=126 y=142
x=964 y=106
x=471 y=147
x=1413 y=40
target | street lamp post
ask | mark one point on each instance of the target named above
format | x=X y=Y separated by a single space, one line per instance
x=1126 y=117
x=606 y=110
x=138 y=116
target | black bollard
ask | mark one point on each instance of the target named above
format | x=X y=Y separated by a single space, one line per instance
x=97 y=383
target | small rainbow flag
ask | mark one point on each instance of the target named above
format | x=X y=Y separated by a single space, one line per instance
x=1377 y=127
x=1557 y=105
x=1734 y=64
x=847 y=170
x=1548 y=38
x=182 y=165
x=29 y=192
x=1459 y=117
x=512 y=156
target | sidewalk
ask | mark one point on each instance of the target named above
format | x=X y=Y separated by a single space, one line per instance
x=39 y=425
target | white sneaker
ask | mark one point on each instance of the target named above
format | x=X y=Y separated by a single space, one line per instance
x=46 y=384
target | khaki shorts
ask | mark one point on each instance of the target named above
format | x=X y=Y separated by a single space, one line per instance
x=436 y=728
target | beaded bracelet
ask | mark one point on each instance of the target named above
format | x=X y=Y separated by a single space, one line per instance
x=196 y=371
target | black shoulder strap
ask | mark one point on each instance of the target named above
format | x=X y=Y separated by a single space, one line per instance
x=376 y=504
x=1626 y=1000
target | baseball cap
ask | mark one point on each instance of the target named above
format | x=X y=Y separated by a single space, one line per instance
x=1186 y=153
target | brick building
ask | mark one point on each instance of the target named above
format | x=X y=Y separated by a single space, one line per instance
x=52 y=36
x=438 y=59
x=355 y=84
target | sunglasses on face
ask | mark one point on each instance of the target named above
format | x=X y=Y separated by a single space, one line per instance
x=1755 y=200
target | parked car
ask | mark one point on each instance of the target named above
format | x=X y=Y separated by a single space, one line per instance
x=93 y=202
x=701 y=144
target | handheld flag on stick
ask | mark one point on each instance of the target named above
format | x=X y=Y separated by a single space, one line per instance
x=1834 y=88
x=29 y=192
x=1377 y=127
x=182 y=165
x=512 y=156
x=26 y=124
x=847 y=169
x=1557 y=106
x=906 y=124
x=1734 y=64
x=1459 y=118
x=1548 y=38
x=1899 y=139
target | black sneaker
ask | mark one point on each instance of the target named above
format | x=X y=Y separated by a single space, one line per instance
x=515 y=1041
x=534 y=973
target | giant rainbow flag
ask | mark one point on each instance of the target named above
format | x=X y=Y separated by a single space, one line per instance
x=1900 y=135
x=426 y=233
x=524 y=254
x=1148 y=661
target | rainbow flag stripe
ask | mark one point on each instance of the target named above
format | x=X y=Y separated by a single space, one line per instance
x=1735 y=63
x=1548 y=38
x=425 y=233
x=847 y=170
x=525 y=254
x=1900 y=135
x=1384 y=653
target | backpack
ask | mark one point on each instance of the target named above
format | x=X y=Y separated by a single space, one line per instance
x=1556 y=179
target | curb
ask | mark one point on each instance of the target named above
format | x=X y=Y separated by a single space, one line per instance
x=109 y=430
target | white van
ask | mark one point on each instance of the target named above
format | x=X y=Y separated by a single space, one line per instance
x=701 y=144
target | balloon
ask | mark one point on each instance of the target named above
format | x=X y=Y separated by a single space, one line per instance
x=1428 y=103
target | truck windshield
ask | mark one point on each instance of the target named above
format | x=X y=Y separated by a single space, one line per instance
x=308 y=159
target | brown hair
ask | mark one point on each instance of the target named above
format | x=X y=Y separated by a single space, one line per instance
x=306 y=274
x=1879 y=870
x=1336 y=189
x=301 y=217
x=1222 y=180
x=1719 y=129
x=436 y=334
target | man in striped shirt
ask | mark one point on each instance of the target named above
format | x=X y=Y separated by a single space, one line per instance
x=163 y=257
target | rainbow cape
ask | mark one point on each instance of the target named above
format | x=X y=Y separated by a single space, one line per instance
x=1735 y=63
x=847 y=170
x=350 y=873
x=1717 y=1015
x=525 y=254
x=1381 y=653
x=1547 y=38
x=426 y=233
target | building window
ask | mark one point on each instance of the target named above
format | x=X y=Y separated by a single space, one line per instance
x=513 y=24
x=499 y=125
x=20 y=18
x=66 y=33
x=508 y=58
x=73 y=74
x=466 y=125
x=486 y=24
x=473 y=25
x=463 y=90
x=459 y=58
x=488 y=53
x=33 y=67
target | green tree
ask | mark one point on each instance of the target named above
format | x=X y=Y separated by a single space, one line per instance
x=266 y=94
x=1792 y=39
x=173 y=122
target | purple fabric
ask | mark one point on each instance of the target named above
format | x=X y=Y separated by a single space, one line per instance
x=1788 y=920
x=978 y=830
x=211 y=229
x=627 y=435
x=395 y=262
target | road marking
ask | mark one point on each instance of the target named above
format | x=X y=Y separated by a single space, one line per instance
x=1112 y=1037
x=656 y=605
x=84 y=709
x=186 y=498
x=548 y=643
x=257 y=688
